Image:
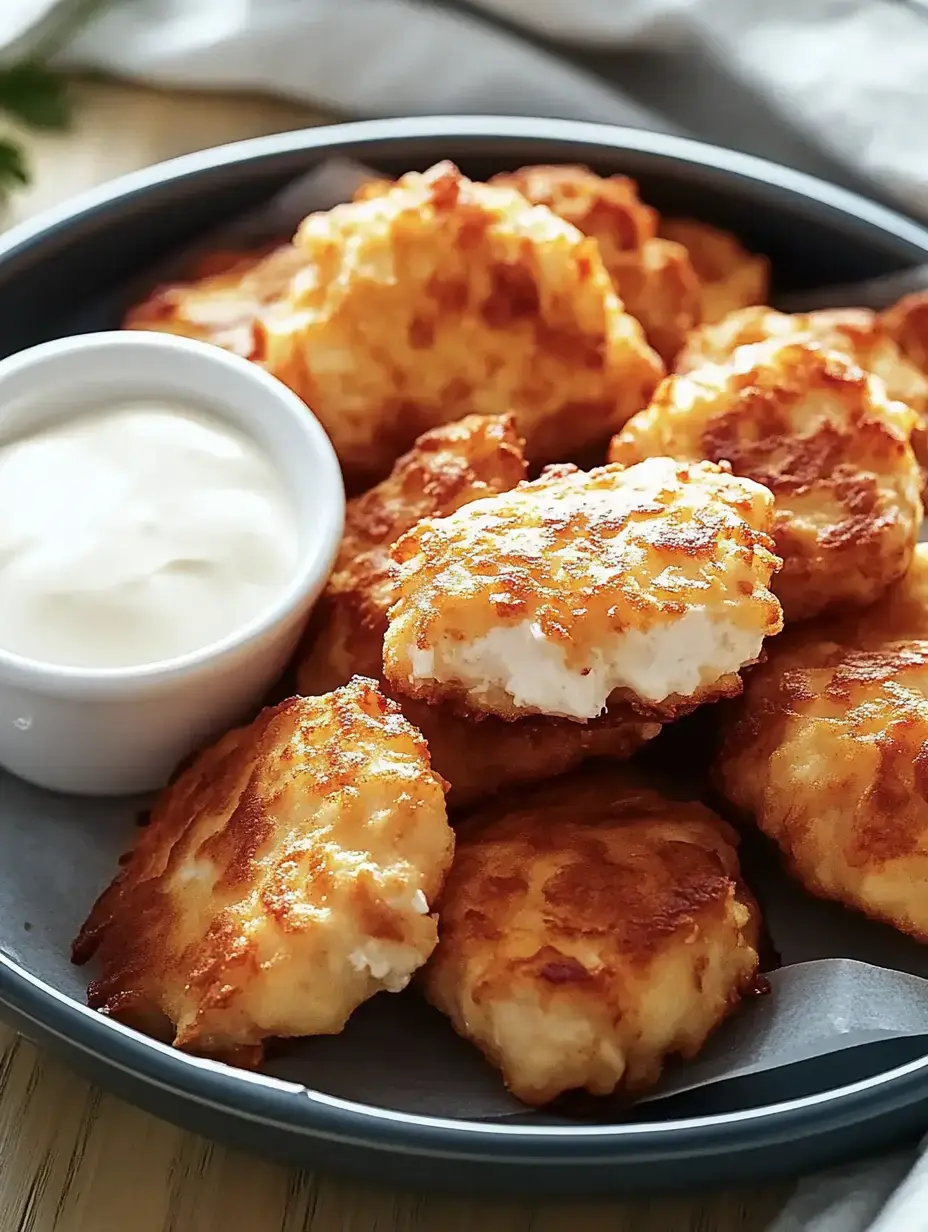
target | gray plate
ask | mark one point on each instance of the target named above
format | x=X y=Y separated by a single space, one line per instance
x=70 y=269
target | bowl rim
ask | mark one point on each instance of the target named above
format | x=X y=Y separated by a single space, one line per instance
x=296 y=1109
x=819 y=196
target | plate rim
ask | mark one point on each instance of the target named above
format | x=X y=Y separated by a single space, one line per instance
x=291 y=1107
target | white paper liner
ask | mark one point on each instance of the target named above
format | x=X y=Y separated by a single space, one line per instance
x=845 y=981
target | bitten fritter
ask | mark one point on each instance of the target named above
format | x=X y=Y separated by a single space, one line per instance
x=284 y=878
x=830 y=758
x=439 y=297
x=646 y=585
x=654 y=277
x=590 y=929
x=729 y=276
x=222 y=298
x=447 y=468
x=823 y=437
x=858 y=333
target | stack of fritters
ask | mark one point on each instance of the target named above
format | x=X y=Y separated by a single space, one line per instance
x=436 y=298
x=822 y=435
x=825 y=750
x=480 y=632
x=447 y=469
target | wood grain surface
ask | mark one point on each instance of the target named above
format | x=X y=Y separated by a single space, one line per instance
x=74 y=1159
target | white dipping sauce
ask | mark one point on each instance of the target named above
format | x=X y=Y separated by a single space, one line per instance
x=136 y=533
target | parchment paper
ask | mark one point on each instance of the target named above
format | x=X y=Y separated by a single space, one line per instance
x=845 y=985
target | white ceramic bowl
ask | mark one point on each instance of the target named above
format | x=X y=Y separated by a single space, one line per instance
x=119 y=730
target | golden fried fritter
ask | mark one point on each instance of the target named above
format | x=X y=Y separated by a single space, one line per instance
x=447 y=468
x=855 y=332
x=907 y=323
x=646 y=585
x=284 y=878
x=588 y=930
x=439 y=297
x=860 y=334
x=654 y=277
x=729 y=276
x=900 y=614
x=481 y=758
x=830 y=758
x=222 y=300
x=822 y=436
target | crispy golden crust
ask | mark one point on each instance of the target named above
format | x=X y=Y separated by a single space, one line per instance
x=221 y=299
x=446 y=468
x=855 y=332
x=480 y=759
x=435 y=298
x=284 y=878
x=588 y=930
x=821 y=435
x=900 y=614
x=907 y=322
x=830 y=758
x=730 y=277
x=654 y=277
x=455 y=297
x=581 y=558
x=862 y=335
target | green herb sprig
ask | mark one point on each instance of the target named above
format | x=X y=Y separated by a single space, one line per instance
x=34 y=96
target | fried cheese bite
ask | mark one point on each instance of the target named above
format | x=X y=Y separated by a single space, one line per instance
x=590 y=929
x=221 y=299
x=858 y=333
x=646 y=586
x=855 y=332
x=654 y=277
x=900 y=614
x=438 y=297
x=823 y=437
x=285 y=877
x=907 y=323
x=480 y=759
x=729 y=276
x=828 y=755
x=447 y=468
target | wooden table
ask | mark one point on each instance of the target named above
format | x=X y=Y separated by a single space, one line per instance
x=73 y=1158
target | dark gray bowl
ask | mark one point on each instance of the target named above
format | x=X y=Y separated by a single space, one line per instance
x=56 y=270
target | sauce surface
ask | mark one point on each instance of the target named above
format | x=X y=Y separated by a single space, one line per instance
x=136 y=533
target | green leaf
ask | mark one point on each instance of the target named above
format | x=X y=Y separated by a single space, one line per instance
x=12 y=164
x=34 y=95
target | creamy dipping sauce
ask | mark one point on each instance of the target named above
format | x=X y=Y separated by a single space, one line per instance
x=136 y=533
